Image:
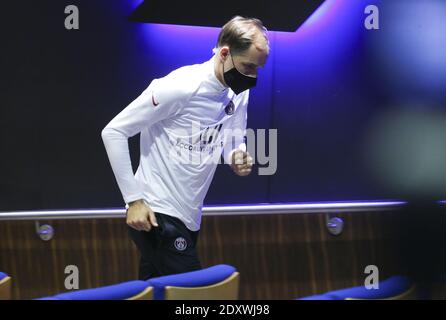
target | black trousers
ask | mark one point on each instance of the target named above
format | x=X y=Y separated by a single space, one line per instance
x=167 y=249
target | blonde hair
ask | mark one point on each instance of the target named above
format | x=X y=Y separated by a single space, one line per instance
x=240 y=33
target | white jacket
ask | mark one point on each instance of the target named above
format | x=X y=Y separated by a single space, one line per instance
x=183 y=119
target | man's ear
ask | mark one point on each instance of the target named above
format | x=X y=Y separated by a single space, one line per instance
x=223 y=53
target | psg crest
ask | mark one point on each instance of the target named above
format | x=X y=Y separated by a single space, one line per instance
x=180 y=244
x=229 y=109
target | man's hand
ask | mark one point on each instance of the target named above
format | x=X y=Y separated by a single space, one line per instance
x=241 y=162
x=140 y=217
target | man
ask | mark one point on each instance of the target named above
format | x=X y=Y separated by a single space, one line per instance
x=186 y=114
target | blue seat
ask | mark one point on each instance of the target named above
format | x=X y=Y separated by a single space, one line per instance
x=132 y=290
x=3 y=276
x=394 y=288
x=5 y=286
x=397 y=287
x=217 y=282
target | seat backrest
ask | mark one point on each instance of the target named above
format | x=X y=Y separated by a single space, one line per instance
x=5 y=286
x=410 y=294
x=394 y=288
x=225 y=290
x=207 y=277
x=132 y=290
x=147 y=294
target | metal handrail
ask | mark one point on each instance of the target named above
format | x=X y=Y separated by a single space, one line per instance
x=261 y=208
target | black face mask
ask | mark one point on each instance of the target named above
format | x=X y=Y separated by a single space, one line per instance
x=237 y=81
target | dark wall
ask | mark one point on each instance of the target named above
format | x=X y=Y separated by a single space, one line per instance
x=61 y=87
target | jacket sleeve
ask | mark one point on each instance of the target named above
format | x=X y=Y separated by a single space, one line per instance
x=163 y=98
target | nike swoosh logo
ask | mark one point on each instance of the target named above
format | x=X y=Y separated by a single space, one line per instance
x=154 y=102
